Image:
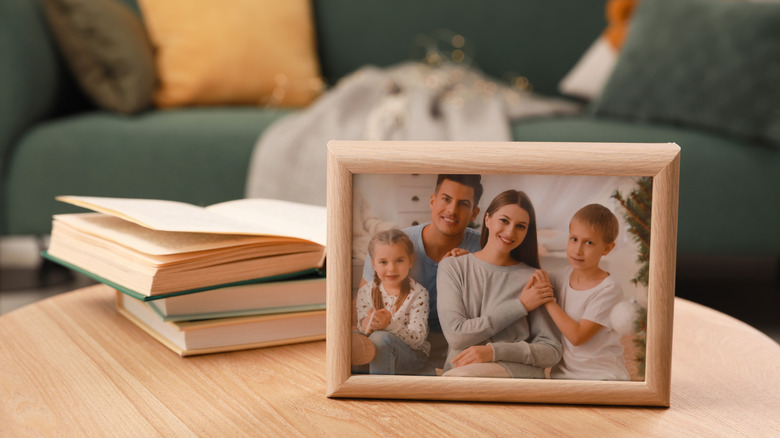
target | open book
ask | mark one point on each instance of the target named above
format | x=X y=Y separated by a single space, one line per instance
x=152 y=248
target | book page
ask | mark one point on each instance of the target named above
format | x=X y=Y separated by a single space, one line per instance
x=268 y=217
x=286 y=218
x=149 y=241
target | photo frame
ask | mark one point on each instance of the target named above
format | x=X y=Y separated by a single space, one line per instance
x=657 y=160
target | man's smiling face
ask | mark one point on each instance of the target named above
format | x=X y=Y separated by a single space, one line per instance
x=452 y=208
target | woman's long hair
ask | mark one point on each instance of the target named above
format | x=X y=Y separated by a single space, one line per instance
x=528 y=251
x=391 y=237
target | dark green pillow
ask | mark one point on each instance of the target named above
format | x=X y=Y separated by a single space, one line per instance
x=106 y=46
x=710 y=64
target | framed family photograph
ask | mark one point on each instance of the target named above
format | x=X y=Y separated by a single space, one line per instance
x=534 y=272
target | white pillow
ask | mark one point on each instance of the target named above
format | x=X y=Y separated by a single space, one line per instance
x=588 y=77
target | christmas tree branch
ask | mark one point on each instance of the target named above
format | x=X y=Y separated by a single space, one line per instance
x=630 y=213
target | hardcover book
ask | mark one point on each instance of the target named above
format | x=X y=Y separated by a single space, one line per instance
x=286 y=296
x=188 y=338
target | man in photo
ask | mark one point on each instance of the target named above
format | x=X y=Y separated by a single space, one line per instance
x=454 y=205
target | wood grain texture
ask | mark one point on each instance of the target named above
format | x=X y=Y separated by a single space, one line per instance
x=339 y=271
x=660 y=161
x=663 y=264
x=71 y=366
x=532 y=158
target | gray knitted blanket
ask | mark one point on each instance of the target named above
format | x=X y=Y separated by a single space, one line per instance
x=410 y=101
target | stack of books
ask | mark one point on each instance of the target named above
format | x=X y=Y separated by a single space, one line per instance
x=241 y=274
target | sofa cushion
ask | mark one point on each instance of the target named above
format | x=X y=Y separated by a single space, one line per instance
x=710 y=64
x=716 y=173
x=195 y=155
x=246 y=52
x=105 y=44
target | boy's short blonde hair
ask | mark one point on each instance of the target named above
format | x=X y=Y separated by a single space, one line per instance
x=600 y=218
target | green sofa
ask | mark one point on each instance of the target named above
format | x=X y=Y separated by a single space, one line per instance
x=53 y=141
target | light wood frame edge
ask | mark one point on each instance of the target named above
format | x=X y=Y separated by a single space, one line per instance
x=660 y=161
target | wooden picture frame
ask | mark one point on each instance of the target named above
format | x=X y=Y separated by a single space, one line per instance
x=659 y=161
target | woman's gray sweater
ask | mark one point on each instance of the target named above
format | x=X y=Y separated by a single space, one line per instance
x=479 y=305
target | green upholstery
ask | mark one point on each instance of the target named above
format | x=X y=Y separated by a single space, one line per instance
x=728 y=189
x=198 y=156
x=34 y=81
x=30 y=74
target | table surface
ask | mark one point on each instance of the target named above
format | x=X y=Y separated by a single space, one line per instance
x=70 y=365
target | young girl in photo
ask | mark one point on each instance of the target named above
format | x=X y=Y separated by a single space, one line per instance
x=393 y=309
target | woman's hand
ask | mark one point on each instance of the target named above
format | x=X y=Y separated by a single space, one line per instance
x=538 y=291
x=473 y=354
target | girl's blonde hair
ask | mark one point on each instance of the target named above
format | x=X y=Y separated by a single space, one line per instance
x=391 y=237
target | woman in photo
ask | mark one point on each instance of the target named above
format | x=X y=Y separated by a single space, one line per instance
x=488 y=307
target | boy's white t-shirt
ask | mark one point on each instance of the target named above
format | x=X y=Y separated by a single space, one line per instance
x=601 y=358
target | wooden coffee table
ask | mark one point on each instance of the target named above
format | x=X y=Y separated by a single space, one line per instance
x=71 y=366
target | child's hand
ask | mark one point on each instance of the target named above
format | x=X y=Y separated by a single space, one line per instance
x=381 y=319
x=473 y=354
x=537 y=292
x=365 y=324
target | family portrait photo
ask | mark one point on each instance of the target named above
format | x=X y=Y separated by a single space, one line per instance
x=538 y=272
x=504 y=276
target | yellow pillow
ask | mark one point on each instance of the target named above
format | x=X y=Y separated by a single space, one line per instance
x=250 y=52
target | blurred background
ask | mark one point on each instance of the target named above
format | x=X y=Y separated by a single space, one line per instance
x=149 y=99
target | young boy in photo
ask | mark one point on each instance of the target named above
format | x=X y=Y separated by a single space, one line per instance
x=586 y=295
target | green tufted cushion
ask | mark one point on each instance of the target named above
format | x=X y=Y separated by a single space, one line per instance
x=710 y=64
